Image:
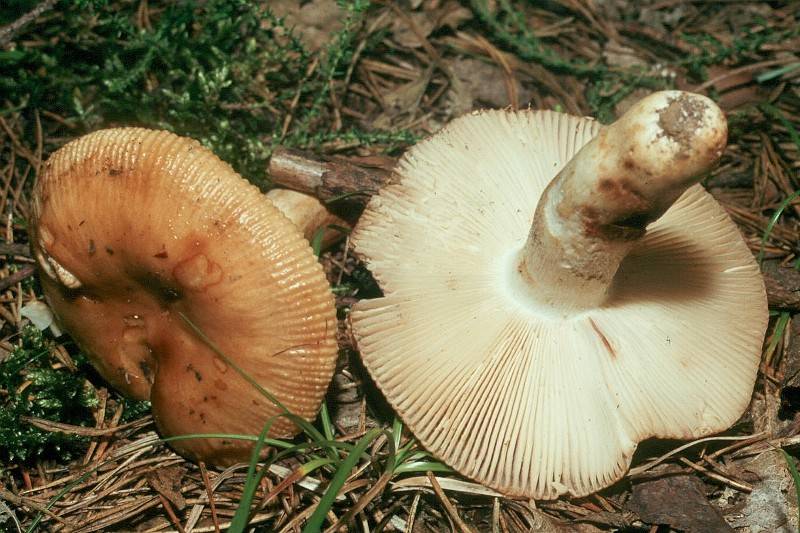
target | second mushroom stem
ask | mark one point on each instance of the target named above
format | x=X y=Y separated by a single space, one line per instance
x=309 y=214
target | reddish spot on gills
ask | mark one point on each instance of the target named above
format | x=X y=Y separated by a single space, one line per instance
x=603 y=338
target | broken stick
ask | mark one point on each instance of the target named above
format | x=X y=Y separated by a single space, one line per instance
x=330 y=178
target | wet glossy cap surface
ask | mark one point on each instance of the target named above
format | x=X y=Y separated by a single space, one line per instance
x=132 y=228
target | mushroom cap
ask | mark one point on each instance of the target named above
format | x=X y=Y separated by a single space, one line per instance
x=133 y=228
x=521 y=397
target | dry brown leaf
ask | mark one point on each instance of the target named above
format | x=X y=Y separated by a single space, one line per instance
x=618 y=55
x=451 y=15
x=403 y=100
x=405 y=35
x=485 y=84
x=167 y=481
x=314 y=23
x=772 y=506
x=676 y=501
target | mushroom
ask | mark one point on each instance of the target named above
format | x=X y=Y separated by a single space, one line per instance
x=309 y=215
x=556 y=291
x=142 y=238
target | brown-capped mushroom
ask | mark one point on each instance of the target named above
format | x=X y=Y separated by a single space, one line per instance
x=140 y=236
x=556 y=291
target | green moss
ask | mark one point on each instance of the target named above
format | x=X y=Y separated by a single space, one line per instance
x=225 y=72
x=32 y=388
x=745 y=43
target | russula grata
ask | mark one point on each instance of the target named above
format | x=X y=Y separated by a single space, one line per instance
x=133 y=228
x=556 y=291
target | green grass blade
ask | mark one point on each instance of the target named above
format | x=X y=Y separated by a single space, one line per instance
x=777 y=72
x=418 y=455
x=422 y=467
x=397 y=432
x=34 y=525
x=376 y=489
x=316 y=520
x=795 y=478
x=286 y=448
x=774 y=220
x=327 y=423
x=400 y=452
x=242 y=515
x=777 y=335
x=275 y=443
x=319 y=234
x=316 y=240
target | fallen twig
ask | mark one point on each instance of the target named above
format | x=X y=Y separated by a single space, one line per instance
x=7 y=33
x=330 y=178
x=16 y=277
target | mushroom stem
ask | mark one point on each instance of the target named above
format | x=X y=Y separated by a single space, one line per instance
x=599 y=205
x=308 y=214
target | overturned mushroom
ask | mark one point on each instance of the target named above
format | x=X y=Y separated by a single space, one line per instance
x=556 y=291
x=133 y=230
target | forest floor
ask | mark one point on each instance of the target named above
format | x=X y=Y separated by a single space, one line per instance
x=367 y=79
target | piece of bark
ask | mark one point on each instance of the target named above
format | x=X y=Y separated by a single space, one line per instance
x=330 y=178
x=677 y=501
x=783 y=286
x=791 y=366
